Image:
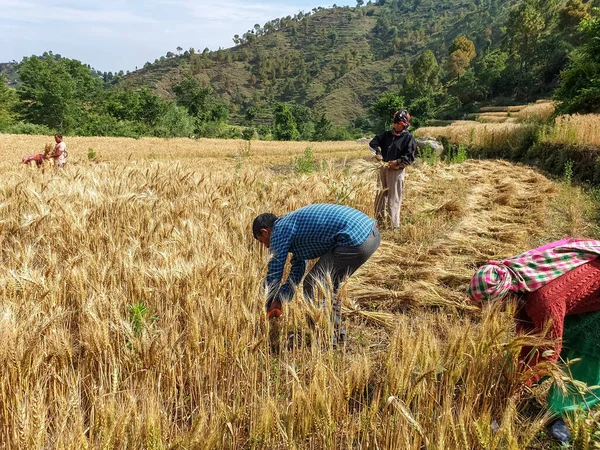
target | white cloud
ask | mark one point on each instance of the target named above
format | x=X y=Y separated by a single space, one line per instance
x=116 y=34
x=237 y=11
x=32 y=12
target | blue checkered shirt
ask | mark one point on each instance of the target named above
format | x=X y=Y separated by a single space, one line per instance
x=309 y=233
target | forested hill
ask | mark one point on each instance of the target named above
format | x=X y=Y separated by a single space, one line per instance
x=335 y=61
x=329 y=74
x=10 y=72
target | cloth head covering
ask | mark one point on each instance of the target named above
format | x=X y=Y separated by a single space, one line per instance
x=531 y=270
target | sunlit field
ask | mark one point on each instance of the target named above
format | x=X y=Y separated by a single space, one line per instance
x=577 y=129
x=478 y=134
x=538 y=111
x=208 y=152
x=132 y=316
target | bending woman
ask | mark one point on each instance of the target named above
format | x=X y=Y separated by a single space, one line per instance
x=559 y=287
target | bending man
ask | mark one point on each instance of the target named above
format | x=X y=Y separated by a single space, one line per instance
x=341 y=237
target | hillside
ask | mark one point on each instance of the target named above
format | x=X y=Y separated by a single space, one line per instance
x=336 y=61
x=330 y=74
x=9 y=70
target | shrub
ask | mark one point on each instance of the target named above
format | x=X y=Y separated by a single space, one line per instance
x=27 y=128
x=428 y=155
x=305 y=163
x=250 y=133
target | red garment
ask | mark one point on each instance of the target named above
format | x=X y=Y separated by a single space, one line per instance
x=575 y=292
x=39 y=159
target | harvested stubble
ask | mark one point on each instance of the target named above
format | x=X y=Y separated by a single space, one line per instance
x=491 y=109
x=493 y=114
x=501 y=109
x=131 y=314
x=493 y=119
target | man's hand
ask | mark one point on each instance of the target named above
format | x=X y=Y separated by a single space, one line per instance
x=379 y=157
x=274 y=309
x=396 y=165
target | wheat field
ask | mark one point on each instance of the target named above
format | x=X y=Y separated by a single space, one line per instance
x=132 y=314
x=478 y=134
x=577 y=129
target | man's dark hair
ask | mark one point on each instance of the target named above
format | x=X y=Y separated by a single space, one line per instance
x=58 y=135
x=265 y=220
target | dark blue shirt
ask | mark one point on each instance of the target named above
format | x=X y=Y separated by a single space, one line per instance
x=309 y=233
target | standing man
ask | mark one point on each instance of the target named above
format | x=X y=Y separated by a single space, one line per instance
x=341 y=237
x=59 y=154
x=397 y=148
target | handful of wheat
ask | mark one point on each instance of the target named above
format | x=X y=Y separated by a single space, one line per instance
x=48 y=148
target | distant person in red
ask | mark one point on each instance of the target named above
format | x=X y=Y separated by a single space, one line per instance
x=397 y=148
x=37 y=159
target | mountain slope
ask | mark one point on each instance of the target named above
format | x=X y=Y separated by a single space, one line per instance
x=10 y=72
x=336 y=61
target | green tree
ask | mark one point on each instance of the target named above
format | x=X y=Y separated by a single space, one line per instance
x=462 y=52
x=141 y=112
x=174 y=121
x=537 y=47
x=323 y=128
x=579 y=91
x=151 y=107
x=423 y=78
x=304 y=119
x=56 y=92
x=468 y=89
x=200 y=101
x=8 y=99
x=490 y=73
x=525 y=26
x=383 y=109
x=284 y=125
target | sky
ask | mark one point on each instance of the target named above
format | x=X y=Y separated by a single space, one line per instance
x=114 y=35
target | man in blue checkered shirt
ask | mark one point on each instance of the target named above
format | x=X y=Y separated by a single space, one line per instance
x=341 y=237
